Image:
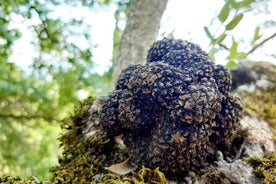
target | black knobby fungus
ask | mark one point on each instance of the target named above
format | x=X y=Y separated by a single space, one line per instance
x=174 y=110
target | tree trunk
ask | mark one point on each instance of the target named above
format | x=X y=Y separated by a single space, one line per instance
x=141 y=30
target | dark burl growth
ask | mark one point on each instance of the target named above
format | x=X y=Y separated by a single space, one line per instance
x=174 y=110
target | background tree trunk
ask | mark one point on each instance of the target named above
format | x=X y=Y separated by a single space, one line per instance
x=141 y=30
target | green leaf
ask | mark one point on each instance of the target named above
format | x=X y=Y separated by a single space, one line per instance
x=234 y=4
x=238 y=5
x=219 y=39
x=234 y=22
x=231 y=64
x=257 y=35
x=246 y=3
x=234 y=54
x=223 y=14
x=208 y=33
x=241 y=55
x=233 y=50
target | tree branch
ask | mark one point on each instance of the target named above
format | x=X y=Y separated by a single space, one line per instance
x=141 y=30
x=260 y=44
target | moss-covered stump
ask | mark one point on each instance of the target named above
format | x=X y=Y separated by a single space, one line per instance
x=90 y=145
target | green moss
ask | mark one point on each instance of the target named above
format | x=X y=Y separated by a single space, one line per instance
x=261 y=104
x=265 y=168
x=84 y=158
x=144 y=175
x=18 y=180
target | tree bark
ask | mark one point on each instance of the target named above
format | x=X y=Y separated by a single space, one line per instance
x=141 y=30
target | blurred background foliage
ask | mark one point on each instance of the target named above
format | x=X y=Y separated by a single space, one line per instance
x=223 y=35
x=34 y=101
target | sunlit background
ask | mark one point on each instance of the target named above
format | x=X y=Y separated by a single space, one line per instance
x=182 y=19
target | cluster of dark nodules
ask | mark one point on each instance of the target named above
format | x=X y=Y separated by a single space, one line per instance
x=175 y=109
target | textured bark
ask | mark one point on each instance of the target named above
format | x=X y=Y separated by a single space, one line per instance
x=141 y=30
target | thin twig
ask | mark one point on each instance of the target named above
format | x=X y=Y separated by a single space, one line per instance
x=260 y=44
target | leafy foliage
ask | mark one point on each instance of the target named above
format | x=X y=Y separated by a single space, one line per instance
x=230 y=16
x=26 y=137
x=34 y=102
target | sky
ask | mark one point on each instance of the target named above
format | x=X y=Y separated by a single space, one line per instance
x=185 y=19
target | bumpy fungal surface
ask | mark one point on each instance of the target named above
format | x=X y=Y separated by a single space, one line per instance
x=174 y=110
